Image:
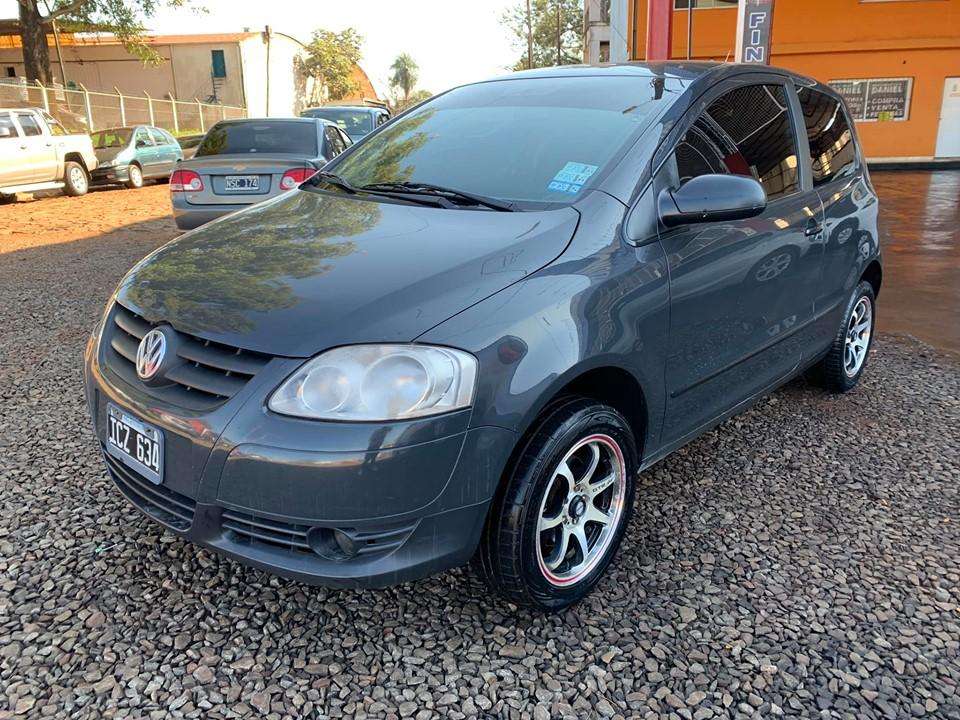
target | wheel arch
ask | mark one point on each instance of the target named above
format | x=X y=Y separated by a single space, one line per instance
x=77 y=158
x=610 y=384
x=873 y=274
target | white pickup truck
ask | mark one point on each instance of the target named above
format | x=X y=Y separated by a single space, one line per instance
x=37 y=153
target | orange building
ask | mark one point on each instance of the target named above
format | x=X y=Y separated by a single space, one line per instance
x=896 y=61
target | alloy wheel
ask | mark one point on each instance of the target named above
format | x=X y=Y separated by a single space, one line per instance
x=581 y=510
x=78 y=179
x=857 y=340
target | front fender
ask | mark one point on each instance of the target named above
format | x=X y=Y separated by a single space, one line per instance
x=603 y=303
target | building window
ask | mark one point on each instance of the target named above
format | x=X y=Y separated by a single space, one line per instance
x=604 y=52
x=605 y=12
x=876 y=99
x=703 y=4
x=219 y=63
x=11 y=71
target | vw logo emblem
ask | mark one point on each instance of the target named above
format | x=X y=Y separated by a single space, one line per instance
x=150 y=354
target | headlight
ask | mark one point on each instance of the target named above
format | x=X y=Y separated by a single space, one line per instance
x=378 y=382
x=106 y=163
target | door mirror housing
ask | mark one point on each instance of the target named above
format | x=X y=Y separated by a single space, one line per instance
x=710 y=198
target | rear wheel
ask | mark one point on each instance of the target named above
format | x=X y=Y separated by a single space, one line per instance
x=559 y=520
x=134 y=177
x=75 y=179
x=841 y=369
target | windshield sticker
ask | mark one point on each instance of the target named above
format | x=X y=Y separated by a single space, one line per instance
x=571 y=178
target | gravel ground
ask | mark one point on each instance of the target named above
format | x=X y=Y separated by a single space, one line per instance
x=802 y=559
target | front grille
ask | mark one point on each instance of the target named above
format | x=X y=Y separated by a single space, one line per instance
x=248 y=528
x=210 y=373
x=253 y=528
x=161 y=503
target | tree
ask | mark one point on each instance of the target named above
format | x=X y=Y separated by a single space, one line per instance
x=330 y=60
x=404 y=74
x=556 y=29
x=397 y=103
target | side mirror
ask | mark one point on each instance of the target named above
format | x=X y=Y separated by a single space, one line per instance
x=710 y=198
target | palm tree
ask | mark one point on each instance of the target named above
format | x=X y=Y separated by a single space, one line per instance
x=404 y=74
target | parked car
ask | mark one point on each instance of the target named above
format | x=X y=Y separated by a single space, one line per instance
x=357 y=121
x=242 y=162
x=131 y=155
x=466 y=336
x=37 y=153
x=189 y=144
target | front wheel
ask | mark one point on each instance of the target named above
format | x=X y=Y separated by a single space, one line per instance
x=75 y=179
x=560 y=518
x=841 y=369
x=134 y=177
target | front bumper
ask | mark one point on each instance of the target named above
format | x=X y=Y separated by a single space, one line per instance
x=334 y=504
x=109 y=175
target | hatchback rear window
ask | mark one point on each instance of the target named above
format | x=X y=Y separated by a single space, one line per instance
x=296 y=138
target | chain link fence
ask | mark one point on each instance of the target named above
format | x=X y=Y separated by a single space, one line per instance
x=85 y=111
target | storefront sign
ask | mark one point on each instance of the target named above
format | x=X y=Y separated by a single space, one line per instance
x=878 y=99
x=754 y=31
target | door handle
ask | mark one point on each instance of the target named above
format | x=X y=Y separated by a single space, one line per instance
x=813 y=228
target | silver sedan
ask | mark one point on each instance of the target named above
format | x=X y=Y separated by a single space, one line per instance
x=242 y=162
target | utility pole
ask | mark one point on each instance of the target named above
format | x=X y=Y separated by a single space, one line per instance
x=56 y=39
x=558 y=31
x=529 y=37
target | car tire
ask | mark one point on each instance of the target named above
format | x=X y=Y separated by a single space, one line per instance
x=843 y=365
x=539 y=512
x=134 y=177
x=76 y=181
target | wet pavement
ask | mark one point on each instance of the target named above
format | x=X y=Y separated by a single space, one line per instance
x=920 y=240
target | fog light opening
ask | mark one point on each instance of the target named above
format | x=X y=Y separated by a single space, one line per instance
x=332 y=543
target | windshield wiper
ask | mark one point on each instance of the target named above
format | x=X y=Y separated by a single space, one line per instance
x=456 y=197
x=333 y=179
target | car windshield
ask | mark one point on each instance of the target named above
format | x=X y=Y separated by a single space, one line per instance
x=260 y=136
x=536 y=140
x=352 y=122
x=115 y=138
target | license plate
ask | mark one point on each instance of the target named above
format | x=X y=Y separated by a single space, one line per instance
x=243 y=182
x=135 y=443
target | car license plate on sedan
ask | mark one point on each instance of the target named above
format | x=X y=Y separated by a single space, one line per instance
x=243 y=182
x=135 y=443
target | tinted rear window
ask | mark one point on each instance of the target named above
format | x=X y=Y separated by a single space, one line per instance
x=265 y=136
x=531 y=140
x=832 y=150
x=353 y=122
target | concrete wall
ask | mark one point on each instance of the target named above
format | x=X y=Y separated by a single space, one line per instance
x=287 y=89
x=845 y=40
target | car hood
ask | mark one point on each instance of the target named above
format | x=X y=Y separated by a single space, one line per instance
x=309 y=270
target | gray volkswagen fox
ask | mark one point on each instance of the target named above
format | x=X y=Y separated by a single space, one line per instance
x=466 y=335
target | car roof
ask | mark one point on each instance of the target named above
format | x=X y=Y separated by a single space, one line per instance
x=364 y=108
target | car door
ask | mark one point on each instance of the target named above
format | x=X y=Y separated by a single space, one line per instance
x=740 y=290
x=849 y=203
x=11 y=167
x=146 y=152
x=167 y=153
x=38 y=156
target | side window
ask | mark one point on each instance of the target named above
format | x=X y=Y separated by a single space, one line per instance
x=333 y=141
x=345 y=139
x=832 y=150
x=54 y=125
x=746 y=131
x=381 y=119
x=158 y=137
x=143 y=138
x=7 y=128
x=29 y=124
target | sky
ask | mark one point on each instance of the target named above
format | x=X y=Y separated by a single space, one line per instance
x=453 y=41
